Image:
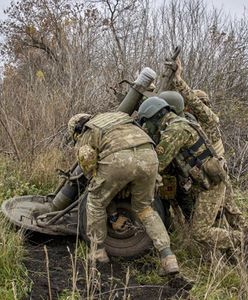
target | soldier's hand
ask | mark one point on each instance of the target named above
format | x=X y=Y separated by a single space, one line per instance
x=179 y=68
x=159 y=183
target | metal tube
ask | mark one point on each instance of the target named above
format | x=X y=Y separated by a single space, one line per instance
x=129 y=103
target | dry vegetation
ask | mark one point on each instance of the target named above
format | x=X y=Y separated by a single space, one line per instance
x=63 y=57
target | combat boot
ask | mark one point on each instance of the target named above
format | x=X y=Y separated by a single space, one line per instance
x=100 y=255
x=169 y=262
x=170 y=265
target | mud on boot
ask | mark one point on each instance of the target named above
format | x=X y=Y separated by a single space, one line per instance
x=99 y=255
x=169 y=264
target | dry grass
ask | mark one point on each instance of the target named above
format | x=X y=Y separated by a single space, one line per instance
x=217 y=278
x=13 y=275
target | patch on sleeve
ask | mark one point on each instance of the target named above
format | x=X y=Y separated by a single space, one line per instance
x=160 y=150
x=87 y=158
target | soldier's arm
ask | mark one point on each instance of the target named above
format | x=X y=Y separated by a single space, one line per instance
x=172 y=140
x=202 y=112
x=87 y=154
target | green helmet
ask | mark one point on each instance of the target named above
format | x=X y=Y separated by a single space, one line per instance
x=76 y=120
x=175 y=100
x=151 y=106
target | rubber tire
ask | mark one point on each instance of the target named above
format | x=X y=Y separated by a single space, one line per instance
x=131 y=246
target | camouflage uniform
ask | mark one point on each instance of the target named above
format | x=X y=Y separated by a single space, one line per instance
x=176 y=137
x=209 y=122
x=125 y=155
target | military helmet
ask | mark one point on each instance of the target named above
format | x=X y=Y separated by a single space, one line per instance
x=175 y=100
x=202 y=96
x=75 y=120
x=151 y=106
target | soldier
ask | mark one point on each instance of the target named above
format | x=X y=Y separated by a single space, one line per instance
x=173 y=181
x=185 y=144
x=198 y=103
x=112 y=152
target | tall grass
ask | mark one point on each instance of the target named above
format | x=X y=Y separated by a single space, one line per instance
x=216 y=278
x=17 y=179
x=14 y=282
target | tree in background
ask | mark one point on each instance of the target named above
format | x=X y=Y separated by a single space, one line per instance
x=61 y=57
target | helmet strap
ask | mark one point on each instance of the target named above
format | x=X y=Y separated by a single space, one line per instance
x=160 y=114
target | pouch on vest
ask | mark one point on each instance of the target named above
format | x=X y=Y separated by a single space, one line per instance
x=185 y=183
x=168 y=190
x=215 y=168
x=198 y=175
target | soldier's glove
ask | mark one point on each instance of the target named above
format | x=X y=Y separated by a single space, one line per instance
x=179 y=68
x=159 y=183
x=176 y=66
x=171 y=64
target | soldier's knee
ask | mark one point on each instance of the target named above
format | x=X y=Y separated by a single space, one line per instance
x=95 y=210
x=96 y=203
x=200 y=234
x=145 y=213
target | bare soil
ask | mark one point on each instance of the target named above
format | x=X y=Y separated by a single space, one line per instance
x=60 y=271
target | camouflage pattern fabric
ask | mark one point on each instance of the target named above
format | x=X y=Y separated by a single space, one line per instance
x=209 y=122
x=138 y=166
x=87 y=159
x=113 y=136
x=175 y=137
x=132 y=161
x=169 y=187
x=232 y=213
x=73 y=122
x=205 y=212
x=178 y=136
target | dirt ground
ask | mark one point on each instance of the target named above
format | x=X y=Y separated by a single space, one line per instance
x=60 y=269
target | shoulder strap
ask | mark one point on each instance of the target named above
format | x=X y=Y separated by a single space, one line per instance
x=106 y=121
x=204 y=137
x=189 y=154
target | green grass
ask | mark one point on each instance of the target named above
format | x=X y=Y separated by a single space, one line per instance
x=69 y=295
x=216 y=279
x=14 y=281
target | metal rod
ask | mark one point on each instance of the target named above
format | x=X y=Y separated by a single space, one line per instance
x=62 y=213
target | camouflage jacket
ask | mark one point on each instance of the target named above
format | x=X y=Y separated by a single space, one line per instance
x=176 y=135
x=208 y=120
x=111 y=132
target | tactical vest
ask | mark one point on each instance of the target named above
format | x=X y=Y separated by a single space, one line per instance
x=192 y=161
x=115 y=132
x=218 y=145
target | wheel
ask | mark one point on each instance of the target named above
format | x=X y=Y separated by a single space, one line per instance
x=131 y=242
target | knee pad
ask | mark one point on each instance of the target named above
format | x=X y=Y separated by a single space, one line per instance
x=146 y=212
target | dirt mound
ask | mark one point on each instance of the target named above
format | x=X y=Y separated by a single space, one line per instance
x=112 y=276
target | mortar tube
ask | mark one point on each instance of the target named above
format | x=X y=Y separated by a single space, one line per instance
x=70 y=191
x=134 y=95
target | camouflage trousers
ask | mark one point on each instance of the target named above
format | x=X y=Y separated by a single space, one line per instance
x=203 y=225
x=231 y=211
x=137 y=167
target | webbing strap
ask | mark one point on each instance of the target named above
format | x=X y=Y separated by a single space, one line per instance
x=198 y=160
x=190 y=151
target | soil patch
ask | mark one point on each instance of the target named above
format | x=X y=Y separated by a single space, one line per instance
x=112 y=277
